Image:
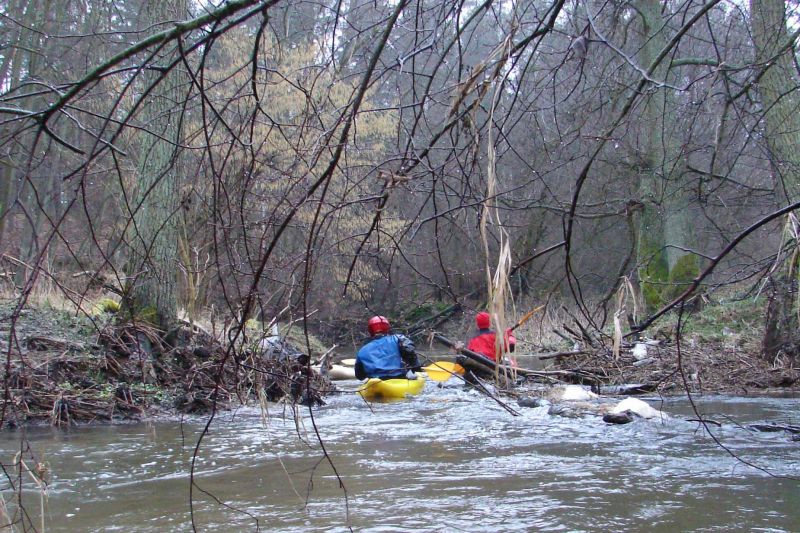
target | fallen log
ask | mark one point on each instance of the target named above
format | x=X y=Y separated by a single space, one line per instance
x=629 y=389
x=479 y=359
x=555 y=355
x=770 y=428
x=489 y=366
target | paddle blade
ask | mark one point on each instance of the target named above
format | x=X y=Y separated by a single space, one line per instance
x=443 y=370
x=527 y=316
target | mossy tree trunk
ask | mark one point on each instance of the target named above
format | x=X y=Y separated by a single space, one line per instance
x=664 y=229
x=154 y=236
x=779 y=99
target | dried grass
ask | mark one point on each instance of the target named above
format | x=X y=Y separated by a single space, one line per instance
x=626 y=293
x=499 y=288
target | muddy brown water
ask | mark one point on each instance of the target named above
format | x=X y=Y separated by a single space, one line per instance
x=448 y=460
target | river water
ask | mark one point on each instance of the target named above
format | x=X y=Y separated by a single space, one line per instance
x=448 y=460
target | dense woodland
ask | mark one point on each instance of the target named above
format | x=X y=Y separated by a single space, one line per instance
x=233 y=163
x=257 y=159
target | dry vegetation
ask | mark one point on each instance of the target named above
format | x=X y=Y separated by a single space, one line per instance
x=73 y=366
x=716 y=350
x=70 y=367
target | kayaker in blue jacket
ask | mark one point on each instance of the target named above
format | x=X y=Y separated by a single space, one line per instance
x=385 y=356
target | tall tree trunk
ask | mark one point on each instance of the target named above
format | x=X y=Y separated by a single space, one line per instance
x=778 y=91
x=10 y=69
x=664 y=229
x=153 y=264
x=33 y=65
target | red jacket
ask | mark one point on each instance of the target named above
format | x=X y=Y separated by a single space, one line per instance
x=483 y=343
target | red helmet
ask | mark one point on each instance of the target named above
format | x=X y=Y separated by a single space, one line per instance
x=482 y=320
x=378 y=324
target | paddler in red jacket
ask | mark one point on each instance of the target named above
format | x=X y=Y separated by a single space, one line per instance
x=484 y=342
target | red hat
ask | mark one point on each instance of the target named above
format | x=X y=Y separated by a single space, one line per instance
x=378 y=324
x=482 y=320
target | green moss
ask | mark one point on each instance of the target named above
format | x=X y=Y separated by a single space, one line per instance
x=729 y=318
x=297 y=338
x=655 y=273
x=105 y=305
x=652 y=295
x=253 y=326
x=148 y=314
x=681 y=276
x=107 y=392
x=651 y=246
x=420 y=312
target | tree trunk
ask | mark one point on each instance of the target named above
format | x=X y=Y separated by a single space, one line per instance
x=33 y=66
x=664 y=230
x=777 y=88
x=781 y=336
x=10 y=69
x=153 y=263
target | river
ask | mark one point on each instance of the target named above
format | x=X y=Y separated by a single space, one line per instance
x=448 y=460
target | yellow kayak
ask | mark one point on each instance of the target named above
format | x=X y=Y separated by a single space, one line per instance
x=391 y=389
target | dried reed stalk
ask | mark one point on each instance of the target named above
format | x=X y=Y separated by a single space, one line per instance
x=625 y=292
x=498 y=284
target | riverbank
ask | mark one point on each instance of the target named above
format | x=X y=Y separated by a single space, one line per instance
x=717 y=351
x=67 y=368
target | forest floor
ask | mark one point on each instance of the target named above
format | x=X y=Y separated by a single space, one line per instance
x=66 y=368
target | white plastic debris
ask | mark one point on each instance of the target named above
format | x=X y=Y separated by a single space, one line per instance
x=575 y=393
x=639 y=407
x=640 y=350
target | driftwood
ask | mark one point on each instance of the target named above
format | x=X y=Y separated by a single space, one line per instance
x=132 y=371
x=769 y=428
x=489 y=366
x=480 y=360
x=556 y=355
x=629 y=389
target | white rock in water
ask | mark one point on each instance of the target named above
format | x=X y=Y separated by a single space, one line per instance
x=640 y=350
x=639 y=407
x=574 y=393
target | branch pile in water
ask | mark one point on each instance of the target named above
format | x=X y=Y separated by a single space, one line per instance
x=133 y=370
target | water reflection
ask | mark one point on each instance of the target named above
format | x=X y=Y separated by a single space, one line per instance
x=447 y=460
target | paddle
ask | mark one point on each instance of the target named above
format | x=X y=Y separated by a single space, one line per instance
x=443 y=370
x=526 y=317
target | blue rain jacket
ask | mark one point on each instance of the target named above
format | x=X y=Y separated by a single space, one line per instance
x=380 y=358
